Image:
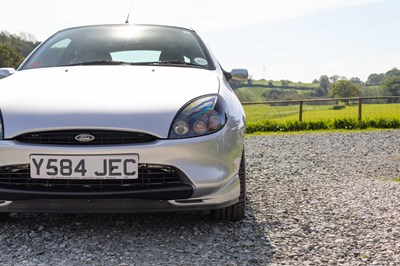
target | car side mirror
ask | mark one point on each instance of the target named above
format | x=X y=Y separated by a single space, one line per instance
x=239 y=75
x=6 y=71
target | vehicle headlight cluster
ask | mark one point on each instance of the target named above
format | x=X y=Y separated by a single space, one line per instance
x=199 y=117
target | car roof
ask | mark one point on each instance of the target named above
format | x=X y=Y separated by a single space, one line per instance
x=130 y=25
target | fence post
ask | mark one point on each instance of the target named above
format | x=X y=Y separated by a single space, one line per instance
x=301 y=111
x=359 y=109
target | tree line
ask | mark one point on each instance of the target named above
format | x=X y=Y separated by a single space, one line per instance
x=340 y=87
x=384 y=84
x=15 y=48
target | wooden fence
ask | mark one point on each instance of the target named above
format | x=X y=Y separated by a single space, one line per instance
x=359 y=100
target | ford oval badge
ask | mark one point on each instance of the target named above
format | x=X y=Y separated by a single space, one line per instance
x=84 y=138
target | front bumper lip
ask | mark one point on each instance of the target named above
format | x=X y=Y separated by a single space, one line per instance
x=104 y=206
x=226 y=196
x=165 y=193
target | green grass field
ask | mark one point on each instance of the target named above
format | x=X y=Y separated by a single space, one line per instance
x=255 y=113
x=291 y=84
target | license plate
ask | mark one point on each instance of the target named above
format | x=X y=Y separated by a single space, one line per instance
x=123 y=166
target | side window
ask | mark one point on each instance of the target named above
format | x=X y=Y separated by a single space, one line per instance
x=51 y=56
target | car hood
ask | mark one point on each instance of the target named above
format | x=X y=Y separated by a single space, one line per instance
x=135 y=98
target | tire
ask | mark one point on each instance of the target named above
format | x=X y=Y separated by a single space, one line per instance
x=4 y=216
x=234 y=212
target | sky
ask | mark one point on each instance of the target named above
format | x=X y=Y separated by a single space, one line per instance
x=298 y=40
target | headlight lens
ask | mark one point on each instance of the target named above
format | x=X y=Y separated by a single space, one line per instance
x=200 y=117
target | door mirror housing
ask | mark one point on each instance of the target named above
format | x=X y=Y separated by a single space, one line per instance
x=6 y=71
x=239 y=75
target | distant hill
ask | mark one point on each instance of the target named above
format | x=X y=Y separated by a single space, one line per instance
x=270 y=90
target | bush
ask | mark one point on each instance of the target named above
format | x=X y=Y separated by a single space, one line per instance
x=344 y=123
x=383 y=123
x=318 y=125
x=273 y=126
x=338 y=107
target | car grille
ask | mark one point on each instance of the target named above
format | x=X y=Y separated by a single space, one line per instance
x=150 y=176
x=100 y=137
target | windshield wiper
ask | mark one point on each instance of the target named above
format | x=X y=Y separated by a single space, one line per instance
x=176 y=63
x=98 y=62
x=117 y=63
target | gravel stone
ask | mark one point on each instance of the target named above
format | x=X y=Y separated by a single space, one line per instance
x=312 y=199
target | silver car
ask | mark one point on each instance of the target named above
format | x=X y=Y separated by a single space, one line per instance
x=122 y=118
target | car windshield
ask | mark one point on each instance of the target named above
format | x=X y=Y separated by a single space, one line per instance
x=121 y=44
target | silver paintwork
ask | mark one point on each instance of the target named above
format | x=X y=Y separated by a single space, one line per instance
x=6 y=71
x=33 y=100
x=210 y=162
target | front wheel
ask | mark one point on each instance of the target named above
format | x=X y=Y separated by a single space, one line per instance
x=4 y=216
x=235 y=212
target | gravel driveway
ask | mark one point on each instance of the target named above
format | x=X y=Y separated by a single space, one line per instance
x=313 y=199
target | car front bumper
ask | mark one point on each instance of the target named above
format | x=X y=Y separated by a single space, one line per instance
x=209 y=165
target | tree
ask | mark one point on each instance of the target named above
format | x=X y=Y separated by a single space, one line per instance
x=24 y=46
x=375 y=79
x=394 y=72
x=334 y=78
x=391 y=86
x=285 y=82
x=319 y=92
x=356 y=81
x=10 y=56
x=344 y=89
x=324 y=84
x=26 y=36
x=250 y=80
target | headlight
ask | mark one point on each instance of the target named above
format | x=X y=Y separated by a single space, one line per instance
x=199 y=117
